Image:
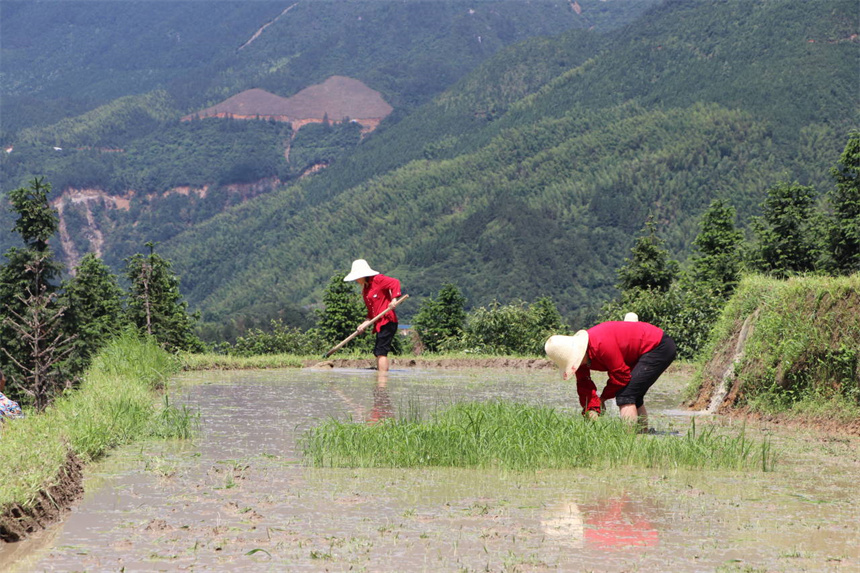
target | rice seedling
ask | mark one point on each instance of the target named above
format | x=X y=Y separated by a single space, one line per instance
x=524 y=437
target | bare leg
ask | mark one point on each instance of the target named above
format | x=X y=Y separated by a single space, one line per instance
x=628 y=412
x=382 y=363
x=643 y=417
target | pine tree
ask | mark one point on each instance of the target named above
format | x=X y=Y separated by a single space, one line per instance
x=717 y=265
x=343 y=311
x=94 y=312
x=441 y=318
x=28 y=308
x=155 y=305
x=42 y=344
x=650 y=266
x=787 y=231
x=843 y=233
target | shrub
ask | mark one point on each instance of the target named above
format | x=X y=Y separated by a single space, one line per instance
x=282 y=339
x=516 y=328
x=441 y=320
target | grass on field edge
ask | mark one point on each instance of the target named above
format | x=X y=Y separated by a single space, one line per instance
x=121 y=399
x=801 y=358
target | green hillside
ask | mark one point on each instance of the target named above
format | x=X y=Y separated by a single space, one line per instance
x=528 y=145
x=533 y=174
x=108 y=81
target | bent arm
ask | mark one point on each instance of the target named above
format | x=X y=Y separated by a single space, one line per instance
x=587 y=391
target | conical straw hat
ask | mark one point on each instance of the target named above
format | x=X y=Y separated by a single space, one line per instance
x=360 y=269
x=567 y=351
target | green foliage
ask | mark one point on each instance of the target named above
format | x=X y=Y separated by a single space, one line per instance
x=543 y=163
x=687 y=308
x=155 y=306
x=801 y=351
x=516 y=328
x=29 y=313
x=115 y=404
x=522 y=437
x=686 y=313
x=280 y=339
x=343 y=310
x=110 y=125
x=524 y=206
x=321 y=144
x=787 y=232
x=716 y=264
x=94 y=312
x=442 y=318
x=37 y=221
x=649 y=266
x=843 y=226
x=211 y=361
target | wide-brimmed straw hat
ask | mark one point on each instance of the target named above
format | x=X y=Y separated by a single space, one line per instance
x=360 y=269
x=631 y=317
x=567 y=351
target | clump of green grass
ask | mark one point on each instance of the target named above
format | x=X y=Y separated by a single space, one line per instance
x=115 y=404
x=524 y=437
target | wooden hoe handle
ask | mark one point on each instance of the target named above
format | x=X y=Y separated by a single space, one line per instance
x=372 y=321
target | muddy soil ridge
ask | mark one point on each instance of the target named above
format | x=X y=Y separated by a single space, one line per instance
x=18 y=521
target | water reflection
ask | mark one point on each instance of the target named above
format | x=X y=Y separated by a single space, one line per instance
x=617 y=523
x=563 y=523
x=381 y=400
x=613 y=523
x=381 y=406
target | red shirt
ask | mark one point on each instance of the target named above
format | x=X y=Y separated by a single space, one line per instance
x=615 y=348
x=378 y=292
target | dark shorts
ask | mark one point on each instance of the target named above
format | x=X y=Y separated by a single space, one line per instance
x=384 y=338
x=647 y=370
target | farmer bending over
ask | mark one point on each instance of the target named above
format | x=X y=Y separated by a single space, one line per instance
x=378 y=292
x=634 y=354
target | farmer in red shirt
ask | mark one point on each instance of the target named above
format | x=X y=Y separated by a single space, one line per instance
x=378 y=292
x=634 y=354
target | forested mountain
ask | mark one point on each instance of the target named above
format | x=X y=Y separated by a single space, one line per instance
x=533 y=174
x=92 y=101
x=529 y=175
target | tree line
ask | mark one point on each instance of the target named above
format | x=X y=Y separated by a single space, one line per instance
x=794 y=235
x=50 y=328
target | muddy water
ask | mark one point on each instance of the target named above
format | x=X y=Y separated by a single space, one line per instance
x=238 y=498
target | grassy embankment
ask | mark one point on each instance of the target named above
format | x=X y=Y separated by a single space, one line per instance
x=523 y=437
x=116 y=403
x=801 y=356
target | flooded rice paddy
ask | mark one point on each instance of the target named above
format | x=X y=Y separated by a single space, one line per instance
x=237 y=497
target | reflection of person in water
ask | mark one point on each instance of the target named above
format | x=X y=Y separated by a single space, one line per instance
x=612 y=524
x=381 y=401
x=562 y=522
x=616 y=524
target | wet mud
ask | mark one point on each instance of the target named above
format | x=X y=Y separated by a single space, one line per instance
x=237 y=497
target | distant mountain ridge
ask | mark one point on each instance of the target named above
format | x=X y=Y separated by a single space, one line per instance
x=338 y=98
